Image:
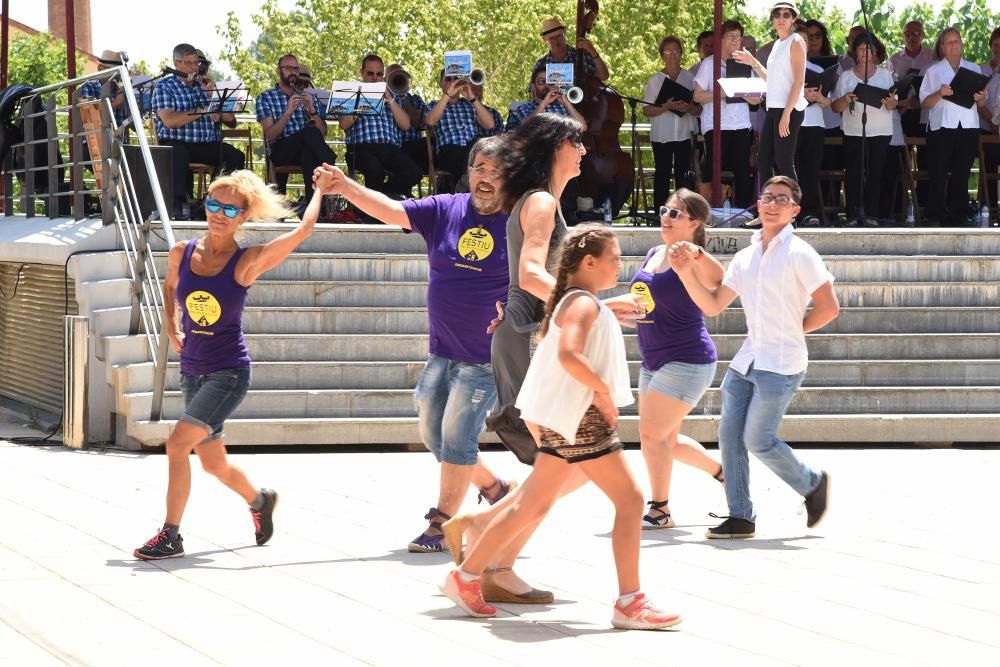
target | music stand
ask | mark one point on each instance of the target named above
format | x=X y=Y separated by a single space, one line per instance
x=633 y=211
x=355 y=98
x=228 y=97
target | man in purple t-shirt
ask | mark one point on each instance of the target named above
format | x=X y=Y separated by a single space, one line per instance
x=467 y=251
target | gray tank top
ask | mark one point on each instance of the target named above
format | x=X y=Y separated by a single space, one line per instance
x=524 y=310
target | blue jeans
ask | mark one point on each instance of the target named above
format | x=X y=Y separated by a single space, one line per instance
x=453 y=399
x=753 y=406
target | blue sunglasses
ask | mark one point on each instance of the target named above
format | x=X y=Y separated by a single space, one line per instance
x=230 y=211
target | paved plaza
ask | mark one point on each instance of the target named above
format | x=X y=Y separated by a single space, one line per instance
x=904 y=571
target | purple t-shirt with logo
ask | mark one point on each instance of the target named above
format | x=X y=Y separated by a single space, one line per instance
x=467 y=254
x=674 y=326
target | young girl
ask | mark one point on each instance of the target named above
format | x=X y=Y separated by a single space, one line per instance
x=569 y=400
x=678 y=355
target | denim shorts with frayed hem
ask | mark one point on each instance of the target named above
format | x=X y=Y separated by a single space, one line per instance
x=678 y=380
x=210 y=399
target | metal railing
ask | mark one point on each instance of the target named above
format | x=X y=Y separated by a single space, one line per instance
x=119 y=203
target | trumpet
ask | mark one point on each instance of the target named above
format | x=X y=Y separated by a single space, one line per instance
x=398 y=82
x=573 y=94
x=477 y=77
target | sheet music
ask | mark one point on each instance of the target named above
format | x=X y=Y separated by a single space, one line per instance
x=743 y=87
x=356 y=97
x=235 y=97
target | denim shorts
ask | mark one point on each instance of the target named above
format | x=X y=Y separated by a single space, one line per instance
x=453 y=399
x=678 y=380
x=210 y=399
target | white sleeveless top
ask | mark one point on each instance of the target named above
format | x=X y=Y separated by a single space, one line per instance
x=551 y=397
x=779 y=75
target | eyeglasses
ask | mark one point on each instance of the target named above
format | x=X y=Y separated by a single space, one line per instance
x=539 y=82
x=576 y=140
x=672 y=213
x=230 y=211
x=189 y=63
x=486 y=174
x=782 y=15
x=780 y=200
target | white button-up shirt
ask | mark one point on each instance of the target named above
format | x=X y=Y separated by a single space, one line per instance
x=733 y=116
x=775 y=288
x=944 y=113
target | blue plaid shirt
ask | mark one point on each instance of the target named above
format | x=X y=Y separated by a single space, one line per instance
x=519 y=113
x=274 y=103
x=588 y=63
x=497 y=124
x=375 y=129
x=457 y=125
x=173 y=93
x=413 y=134
x=92 y=90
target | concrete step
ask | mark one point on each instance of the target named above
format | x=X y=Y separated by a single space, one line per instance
x=858 y=428
x=375 y=267
x=414 y=294
x=365 y=375
x=324 y=403
x=637 y=240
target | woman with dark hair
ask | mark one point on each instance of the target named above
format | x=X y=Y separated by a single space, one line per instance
x=991 y=68
x=678 y=355
x=953 y=133
x=671 y=124
x=864 y=158
x=786 y=103
x=812 y=134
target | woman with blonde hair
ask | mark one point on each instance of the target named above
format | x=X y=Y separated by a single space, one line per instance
x=208 y=279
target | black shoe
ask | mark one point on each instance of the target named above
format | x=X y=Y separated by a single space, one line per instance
x=851 y=222
x=160 y=546
x=810 y=221
x=869 y=222
x=732 y=528
x=263 y=524
x=816 y=501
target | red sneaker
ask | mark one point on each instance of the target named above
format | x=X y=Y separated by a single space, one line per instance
x=642 y=615
x=468 y=596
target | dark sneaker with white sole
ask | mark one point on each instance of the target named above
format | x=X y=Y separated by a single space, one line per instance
x=732 y=528
x=263 y=521
x=160 y=546
x=817 y=500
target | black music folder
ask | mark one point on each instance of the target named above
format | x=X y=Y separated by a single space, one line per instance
x=966 y=84
x=736 y=70
x=825 y=80
x=909 y=82
x=826 y=62
x=673 y=90
x=871 y=96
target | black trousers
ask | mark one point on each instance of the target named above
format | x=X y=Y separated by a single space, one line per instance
x=374 y=161
x=891 y=173
x=776 y=154
x=875 y=149
x=220 y=155
x=808 y=160
x=992 y=154
x=671 y=159
x=416 y=150
x=950 y=150
x=736 y=146
x=453 y=158
x=307 y=149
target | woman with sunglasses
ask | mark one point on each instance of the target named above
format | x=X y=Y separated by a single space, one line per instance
x=678 y=355
x=785 y=99
x=208 y=279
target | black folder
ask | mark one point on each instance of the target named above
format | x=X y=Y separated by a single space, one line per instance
x=825 y=80
x=966 y=84
x=673 y=90
x=826 y=62
x=871 y=96
x=736 y=70
x=908 y=83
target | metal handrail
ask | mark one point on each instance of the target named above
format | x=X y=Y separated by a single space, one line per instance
x=119 y=202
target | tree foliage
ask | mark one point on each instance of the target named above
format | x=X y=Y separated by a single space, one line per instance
x=39 y=60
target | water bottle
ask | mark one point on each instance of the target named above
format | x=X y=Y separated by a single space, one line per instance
x=727 y=210
x=984 y=215
x=910 y=217
x=607 y=210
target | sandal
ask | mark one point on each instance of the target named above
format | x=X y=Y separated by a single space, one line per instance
x=649 y=522
x=425 y=543
x=505 y=488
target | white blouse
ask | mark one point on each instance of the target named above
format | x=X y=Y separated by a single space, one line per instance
x=947 y=114
x=668 y=126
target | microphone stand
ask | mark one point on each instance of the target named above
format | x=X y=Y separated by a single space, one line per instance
x=864 y=121
x=633 y=211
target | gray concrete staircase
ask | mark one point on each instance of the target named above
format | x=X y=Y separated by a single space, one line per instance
x=338 y=337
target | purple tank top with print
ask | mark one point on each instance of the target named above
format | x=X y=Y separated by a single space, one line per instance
x=211 y=317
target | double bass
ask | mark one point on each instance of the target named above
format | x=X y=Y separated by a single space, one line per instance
x=606 y=170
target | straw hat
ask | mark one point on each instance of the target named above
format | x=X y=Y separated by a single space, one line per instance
x=784 y=4
x=551 y=25
x=304 y=72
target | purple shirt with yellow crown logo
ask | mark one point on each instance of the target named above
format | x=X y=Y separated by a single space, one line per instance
x=467 y=254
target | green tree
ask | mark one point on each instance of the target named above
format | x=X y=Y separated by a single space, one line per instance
x=39 y=60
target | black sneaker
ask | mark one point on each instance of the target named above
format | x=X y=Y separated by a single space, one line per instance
x=263 y=524
x=816 y=501
x=160 y=546
x=732 y=528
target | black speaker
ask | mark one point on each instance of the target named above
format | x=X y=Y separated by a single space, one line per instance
x=163 y=164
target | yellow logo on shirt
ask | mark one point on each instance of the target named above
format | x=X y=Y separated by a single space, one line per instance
x=203 y=308
x=641 y=290
x=475 y=245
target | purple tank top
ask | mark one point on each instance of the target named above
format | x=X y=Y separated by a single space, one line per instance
x=674 y=326
x=211 y=317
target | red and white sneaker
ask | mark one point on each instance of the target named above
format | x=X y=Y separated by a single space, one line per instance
x=642 y=615
x=468 y=596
